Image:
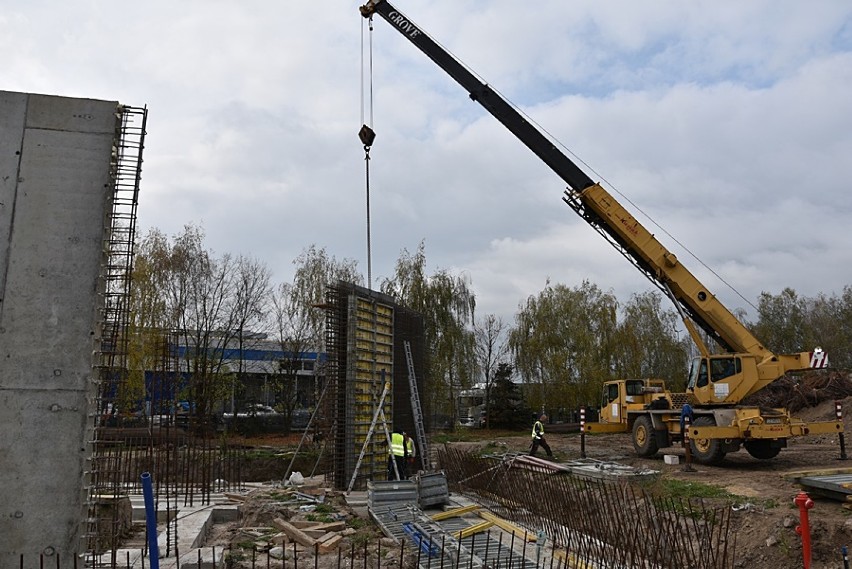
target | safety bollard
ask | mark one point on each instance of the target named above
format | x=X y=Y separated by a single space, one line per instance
x=838 y=411
x=804 y=503
x=582 y=432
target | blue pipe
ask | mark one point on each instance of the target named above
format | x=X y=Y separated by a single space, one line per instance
x=150 y=521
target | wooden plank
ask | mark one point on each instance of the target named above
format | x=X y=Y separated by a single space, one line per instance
x=331 y=526
x=304 y=524
x=330 y=544
x=294 y=533
x=327 y=536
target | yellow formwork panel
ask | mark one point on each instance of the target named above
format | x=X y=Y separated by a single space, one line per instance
x=455 y=512
x=469 y=531
x=507 y=526
x=370 y=352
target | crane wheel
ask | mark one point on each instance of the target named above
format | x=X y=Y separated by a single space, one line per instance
x=706 y=451
x=762 y=449
x=644 y=440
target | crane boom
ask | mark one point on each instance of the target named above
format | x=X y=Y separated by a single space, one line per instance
x=484 y=95
x=755 y=365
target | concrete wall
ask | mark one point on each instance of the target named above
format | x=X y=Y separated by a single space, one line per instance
x=55 y=200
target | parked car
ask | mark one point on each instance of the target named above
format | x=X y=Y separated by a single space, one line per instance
x=259 y=409
x=466 y=422
x=253 y=410
x=300 y=418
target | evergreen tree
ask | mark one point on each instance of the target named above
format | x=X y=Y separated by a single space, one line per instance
x=507 y=408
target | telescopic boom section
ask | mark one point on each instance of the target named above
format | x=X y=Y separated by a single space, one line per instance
x=662 y=267
x=483 y=94
x=590 y=200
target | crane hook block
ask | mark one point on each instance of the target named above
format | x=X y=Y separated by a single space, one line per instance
x=367 y=136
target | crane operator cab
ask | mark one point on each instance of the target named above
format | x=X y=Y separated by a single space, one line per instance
x=713 y=379
x=621 y=396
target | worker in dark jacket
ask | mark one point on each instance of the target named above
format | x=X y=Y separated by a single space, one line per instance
x=410 y=454
x=538 y=437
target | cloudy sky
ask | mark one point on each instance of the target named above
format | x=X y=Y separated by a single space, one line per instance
x=728 y=124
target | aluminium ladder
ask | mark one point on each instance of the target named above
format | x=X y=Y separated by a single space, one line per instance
x=419 y=428
x=379 y=412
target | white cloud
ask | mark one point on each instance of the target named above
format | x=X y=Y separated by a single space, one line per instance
x=728 y=123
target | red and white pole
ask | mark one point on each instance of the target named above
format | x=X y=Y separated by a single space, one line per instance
x=687 y=448
x=838 y=411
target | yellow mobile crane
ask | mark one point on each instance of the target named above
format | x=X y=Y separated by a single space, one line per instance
x=717 y=383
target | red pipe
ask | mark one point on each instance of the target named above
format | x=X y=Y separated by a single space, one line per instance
x=804 y=503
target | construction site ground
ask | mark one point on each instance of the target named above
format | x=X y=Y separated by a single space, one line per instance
x=761 y=494
x=762 y=490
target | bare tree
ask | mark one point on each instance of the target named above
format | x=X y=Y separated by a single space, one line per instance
x=249 y=312
x=296 y=335
x=491 y=348
x=199 y=292
x=184 y=312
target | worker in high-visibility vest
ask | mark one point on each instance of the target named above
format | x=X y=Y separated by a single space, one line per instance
x=538 y=437
x=397 y=456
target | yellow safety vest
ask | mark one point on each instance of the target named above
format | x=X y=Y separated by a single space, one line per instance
x=538 y=429
x=410 y=447
x=397 y=444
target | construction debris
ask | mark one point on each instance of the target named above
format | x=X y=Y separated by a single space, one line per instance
x=799 y=392
x=326 y=536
